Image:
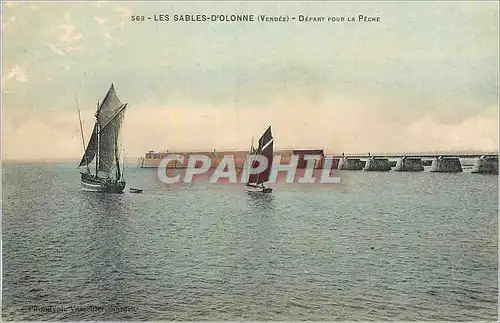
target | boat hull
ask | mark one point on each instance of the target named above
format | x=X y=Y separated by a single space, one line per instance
x=101 y=185
x=258 y=189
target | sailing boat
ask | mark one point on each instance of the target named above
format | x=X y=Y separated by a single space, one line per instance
x=104 y=147
x=256 y=181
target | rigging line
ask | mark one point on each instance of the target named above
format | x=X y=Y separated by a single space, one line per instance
x=246 y=158
x=81 y=131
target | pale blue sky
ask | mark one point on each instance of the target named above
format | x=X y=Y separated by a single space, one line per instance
x=425 y=63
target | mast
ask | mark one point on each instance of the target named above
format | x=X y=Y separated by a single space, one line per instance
x=123 y=163
x=258 y=148
x=118 y=172
x=250 y=152
x=81 y=131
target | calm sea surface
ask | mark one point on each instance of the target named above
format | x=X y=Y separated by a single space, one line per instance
x=379 y=246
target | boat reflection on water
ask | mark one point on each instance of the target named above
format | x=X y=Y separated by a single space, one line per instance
x=261 y=202
x=110 y=257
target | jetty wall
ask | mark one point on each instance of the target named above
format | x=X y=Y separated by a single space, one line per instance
x=301 y=153
x=153 y=159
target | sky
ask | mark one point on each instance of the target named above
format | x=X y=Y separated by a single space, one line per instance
x=424 y=78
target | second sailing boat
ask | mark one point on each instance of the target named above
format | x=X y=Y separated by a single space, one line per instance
x=256 y=181
x=104 y=147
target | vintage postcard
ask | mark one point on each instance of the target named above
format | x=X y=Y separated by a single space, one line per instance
x=250 y=161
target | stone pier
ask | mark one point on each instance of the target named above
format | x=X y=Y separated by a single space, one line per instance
x=446 y=165
x=486 y=165
x=378 y=164
x=427 y=162
x=350 y=164
x=409 y=164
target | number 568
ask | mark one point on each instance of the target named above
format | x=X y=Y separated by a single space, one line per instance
x=137 y=18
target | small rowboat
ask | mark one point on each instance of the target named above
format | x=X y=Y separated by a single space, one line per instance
x=135 y=190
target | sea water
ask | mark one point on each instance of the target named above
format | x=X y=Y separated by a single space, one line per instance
x=378 y=246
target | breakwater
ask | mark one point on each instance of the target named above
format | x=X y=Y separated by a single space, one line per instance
x=483 y=163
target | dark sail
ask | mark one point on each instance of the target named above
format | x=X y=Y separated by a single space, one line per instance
x=265 y=139
x=109 y=107
x=110 y=118
x=109 y=143
x=265 y=149
x=91 y=150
